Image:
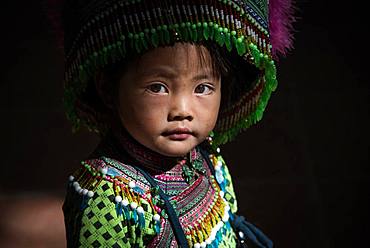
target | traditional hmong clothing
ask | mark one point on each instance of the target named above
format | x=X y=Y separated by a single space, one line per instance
x=110 y=203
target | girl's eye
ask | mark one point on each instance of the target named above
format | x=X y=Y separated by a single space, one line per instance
x=204 y=89
x=157 y=88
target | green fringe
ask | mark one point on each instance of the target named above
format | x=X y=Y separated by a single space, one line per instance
x=221 y=138
x=155 y=37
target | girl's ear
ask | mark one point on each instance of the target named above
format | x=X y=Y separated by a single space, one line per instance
x=104 y=89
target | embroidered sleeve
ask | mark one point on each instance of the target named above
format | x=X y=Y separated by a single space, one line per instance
x=102 y=209
x=224 y=179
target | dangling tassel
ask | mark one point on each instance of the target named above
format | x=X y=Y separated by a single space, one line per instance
x=154 y=38
x=167 y=38
x=137 y=43
x=133 y=206
x=205 y=31
x=194 y=33
x=240 y=45
x=228 y=41
x=157 y=223
x=143 y=42
x=211 y=31
x=118 y=200
x=255 y=54
x=126 y=211
x=140 y=212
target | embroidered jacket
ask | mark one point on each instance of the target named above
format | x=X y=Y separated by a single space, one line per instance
x=110 y=204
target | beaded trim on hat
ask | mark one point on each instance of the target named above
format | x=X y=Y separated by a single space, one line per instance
x=108 y=29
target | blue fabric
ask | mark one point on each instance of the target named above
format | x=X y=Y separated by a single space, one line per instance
x=251 y=232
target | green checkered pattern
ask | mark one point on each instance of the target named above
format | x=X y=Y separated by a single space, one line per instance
x=101 y=227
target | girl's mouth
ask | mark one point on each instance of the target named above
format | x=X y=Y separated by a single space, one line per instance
x=178 y=134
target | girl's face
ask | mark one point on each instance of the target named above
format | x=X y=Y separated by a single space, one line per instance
x=168 y=101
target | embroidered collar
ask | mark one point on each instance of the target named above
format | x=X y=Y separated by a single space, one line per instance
x=121 y=146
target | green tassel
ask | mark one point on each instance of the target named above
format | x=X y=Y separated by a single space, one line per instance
x=216 y=34
x=205 y=31
x=240 y=46
x=132 y=43
x=137 y=43
x=167 y=38
x=154 y=38
x=142 y=41
x=221 y=37
x=137 y=47
x=259 y=112
x=119 y=49
x=234 y=40
x=199 y=30
x=228 y=42
x=123 y=45
x=177 y=29
x=211 y=31
x=191 y=33
x=270 y=75
x=160 y=35
x=183 y=32
x=255 y=54
x=194 y=33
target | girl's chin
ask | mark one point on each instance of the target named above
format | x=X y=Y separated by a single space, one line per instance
x=171 y=153
x=176 y=150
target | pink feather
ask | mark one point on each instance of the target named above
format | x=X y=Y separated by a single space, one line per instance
x=281 y=19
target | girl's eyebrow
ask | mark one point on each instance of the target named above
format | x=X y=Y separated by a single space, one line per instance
x=202 y=76
x=169 y=73
x=159 y=71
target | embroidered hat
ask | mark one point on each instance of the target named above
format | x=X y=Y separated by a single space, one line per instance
x=98 y=33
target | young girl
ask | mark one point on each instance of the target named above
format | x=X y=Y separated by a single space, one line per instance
x=164 y=83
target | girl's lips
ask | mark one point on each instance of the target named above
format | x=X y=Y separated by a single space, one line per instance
x=178 y=134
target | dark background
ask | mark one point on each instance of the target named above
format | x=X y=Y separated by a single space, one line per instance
x=301 y=174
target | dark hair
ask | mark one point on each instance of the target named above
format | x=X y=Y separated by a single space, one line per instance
x=101 y=95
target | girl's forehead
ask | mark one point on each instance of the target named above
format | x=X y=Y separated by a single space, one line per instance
x=180 y=56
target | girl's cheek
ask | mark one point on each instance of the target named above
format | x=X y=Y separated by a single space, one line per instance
x=153 y=101
x=149 y=105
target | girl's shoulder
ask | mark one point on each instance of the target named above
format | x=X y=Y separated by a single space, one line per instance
x=109 y=199
x=120 y=182
x=112 y=171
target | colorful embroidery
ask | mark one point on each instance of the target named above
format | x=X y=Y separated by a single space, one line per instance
x=118 y=207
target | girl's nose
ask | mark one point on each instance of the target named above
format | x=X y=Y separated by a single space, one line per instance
x=181 y=109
